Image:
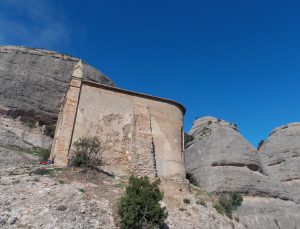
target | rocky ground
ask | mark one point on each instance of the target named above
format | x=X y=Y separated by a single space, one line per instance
x=55 y=198
x=37 y=196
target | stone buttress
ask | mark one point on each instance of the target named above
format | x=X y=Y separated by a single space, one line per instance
x=66 y=119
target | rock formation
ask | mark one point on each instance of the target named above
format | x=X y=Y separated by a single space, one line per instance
x=221 y=160
x=33 y=82
x=16 y=134
x=280 y=157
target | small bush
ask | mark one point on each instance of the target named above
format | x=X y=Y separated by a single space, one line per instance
x=140 y=205
x=186 y=201
x=187 y=138
x=43 y=171
x=79 y=160
x=228 y=203
x=82 y=190
x=237 y=200
x=191 y=178
x=219 y=208
x=235 y=127
x=43 y=154
x=50 y=130
x=87 y=151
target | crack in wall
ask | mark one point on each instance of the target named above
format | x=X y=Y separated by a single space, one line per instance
x=134 y=130
x=153 y=145
x=276 y=162
x=290 y=179
x=252 y=167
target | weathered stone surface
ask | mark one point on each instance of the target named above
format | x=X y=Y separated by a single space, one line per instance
x=33 y=82
x=222 y=144
x=14 y=133
x=268 y=213
x=280 y=157
x=140 y=134
x=192 y=215
x=223 y=161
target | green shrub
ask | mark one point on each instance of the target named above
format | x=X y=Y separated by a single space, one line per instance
x=237 y=200
x=43 y=154
x=140 y=205
x=50 y=130
x=228 y=202
x=187 y=138
x=87 y=151
x=82 y=190
x=235 y=127
x=191 y=178
x=219 y=208
x=80 y=160
x=43 y=171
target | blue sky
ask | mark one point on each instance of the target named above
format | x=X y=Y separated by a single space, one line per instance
x=235 y=60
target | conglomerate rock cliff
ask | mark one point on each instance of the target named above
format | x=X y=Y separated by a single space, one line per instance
x=33 y=82
x=280 y=158
x=222 y=161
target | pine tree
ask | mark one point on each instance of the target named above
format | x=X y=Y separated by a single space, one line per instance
x=140 y=208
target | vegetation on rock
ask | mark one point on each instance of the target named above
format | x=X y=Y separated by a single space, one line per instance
x=43 y=154
x=140 y=205
x=50 y=130
x=87 y=152
x=187 y=138
x=227 y=203
x=192 y=180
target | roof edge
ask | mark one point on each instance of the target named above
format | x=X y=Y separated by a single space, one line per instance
x=116 y=89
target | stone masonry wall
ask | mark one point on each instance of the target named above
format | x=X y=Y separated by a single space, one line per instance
x=141 y=135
